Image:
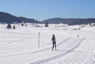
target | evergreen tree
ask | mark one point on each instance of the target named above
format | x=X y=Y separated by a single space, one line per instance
x=46 y=24
x=14 y=27
x=9 y=26
x=25 y=24
x=22 y=24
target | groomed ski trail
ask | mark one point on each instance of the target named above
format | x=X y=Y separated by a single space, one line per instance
x=60 y=55
x=45 y=55
x=37 y=50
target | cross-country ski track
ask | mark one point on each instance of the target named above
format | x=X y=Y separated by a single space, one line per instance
x=45 y=55
x=60 y=46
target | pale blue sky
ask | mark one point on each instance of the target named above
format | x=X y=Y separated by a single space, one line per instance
x=44 y=9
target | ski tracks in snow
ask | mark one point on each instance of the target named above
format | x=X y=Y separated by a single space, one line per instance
x=78 y=40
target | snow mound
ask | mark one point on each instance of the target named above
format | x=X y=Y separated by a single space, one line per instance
x=36 y=26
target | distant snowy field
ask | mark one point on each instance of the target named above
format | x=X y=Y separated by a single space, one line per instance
x=20 y=45
x=24 y=39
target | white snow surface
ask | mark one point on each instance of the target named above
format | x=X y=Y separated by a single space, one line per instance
x=20 y=45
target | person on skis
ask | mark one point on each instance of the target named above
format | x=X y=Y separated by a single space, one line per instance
x=53 y=42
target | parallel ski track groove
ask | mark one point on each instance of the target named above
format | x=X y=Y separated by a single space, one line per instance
x=35 y=51
x=60 y=55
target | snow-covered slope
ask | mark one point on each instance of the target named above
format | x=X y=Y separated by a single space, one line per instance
x=20 y=46
x=85 y=53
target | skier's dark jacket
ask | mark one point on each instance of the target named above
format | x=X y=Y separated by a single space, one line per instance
x=53 y=39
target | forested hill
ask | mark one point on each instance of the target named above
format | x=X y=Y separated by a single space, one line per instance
x=8 y=18
x=70 y=21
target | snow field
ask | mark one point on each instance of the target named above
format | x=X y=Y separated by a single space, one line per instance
x=20 y=46
x=25 y=39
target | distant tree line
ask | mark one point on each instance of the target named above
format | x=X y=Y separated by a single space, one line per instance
x=8 y=18
x=10 y=27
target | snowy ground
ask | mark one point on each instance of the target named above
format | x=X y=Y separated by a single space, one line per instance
x=20 y=46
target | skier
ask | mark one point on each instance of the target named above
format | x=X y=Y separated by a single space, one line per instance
x=53 y=42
